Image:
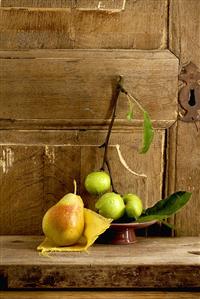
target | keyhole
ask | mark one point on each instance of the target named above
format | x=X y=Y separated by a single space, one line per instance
x=192 y=101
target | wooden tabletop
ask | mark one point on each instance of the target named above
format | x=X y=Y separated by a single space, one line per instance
x=93 y=294
x=149 y=263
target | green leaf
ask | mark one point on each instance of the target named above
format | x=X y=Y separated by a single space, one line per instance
x=150 y=218
x=129 y=115
x=148 y=134
x=166 y=207
x=169 y=205
x=169 y=225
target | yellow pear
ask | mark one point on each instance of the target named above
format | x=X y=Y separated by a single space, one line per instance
x=63 y=223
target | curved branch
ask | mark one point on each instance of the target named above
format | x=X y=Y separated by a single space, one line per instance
x=123 y=162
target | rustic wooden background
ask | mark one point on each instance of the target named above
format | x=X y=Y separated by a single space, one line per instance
x=51 y=119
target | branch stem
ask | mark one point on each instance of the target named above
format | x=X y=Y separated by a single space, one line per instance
x=106 y=143
x=131 y=98
x=111 y=179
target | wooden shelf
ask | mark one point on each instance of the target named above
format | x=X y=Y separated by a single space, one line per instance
x=150 y=263
x=98 y=295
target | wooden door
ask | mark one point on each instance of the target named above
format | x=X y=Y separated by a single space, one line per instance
x=58 y=72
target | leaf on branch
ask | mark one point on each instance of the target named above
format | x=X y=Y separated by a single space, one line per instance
x=169 y=225
x=129 y=114
x=167 y=207
x=150 y=218
x=147 y=134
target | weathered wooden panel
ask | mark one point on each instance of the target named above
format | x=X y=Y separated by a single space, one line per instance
x=32 y=179
x=149 y=263
x=37 y=3
x=142 y=25
x=187 y=221
x=42 y=166
x=77 y=85
x=170 y=155
x=185 y=43
x=113 y=5
x=99 y=295
x=21 y=189
x=185 y=30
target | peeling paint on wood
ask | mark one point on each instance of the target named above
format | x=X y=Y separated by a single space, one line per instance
x=50 y=153
x=6 y=159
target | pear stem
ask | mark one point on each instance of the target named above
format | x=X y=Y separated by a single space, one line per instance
x=75 y=187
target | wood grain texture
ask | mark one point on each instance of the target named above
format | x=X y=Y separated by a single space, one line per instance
x=143 y=25
x=170 y=156
x=185 y=43
x=40 y=166
x=37 y=3
x=152 y=262
x=21 y=189
x=80 y=4
x=98 y=295
x=187 y=222
x=77 y=124
x=72 y=85
x=185 y=35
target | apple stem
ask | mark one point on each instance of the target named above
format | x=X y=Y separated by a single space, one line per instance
x=75 y=187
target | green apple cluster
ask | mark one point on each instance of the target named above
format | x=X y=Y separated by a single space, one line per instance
x=111 y=204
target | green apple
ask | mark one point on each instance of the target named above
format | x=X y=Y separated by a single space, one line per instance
x=111 y=205
x=133 y=205
x=97 y=182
